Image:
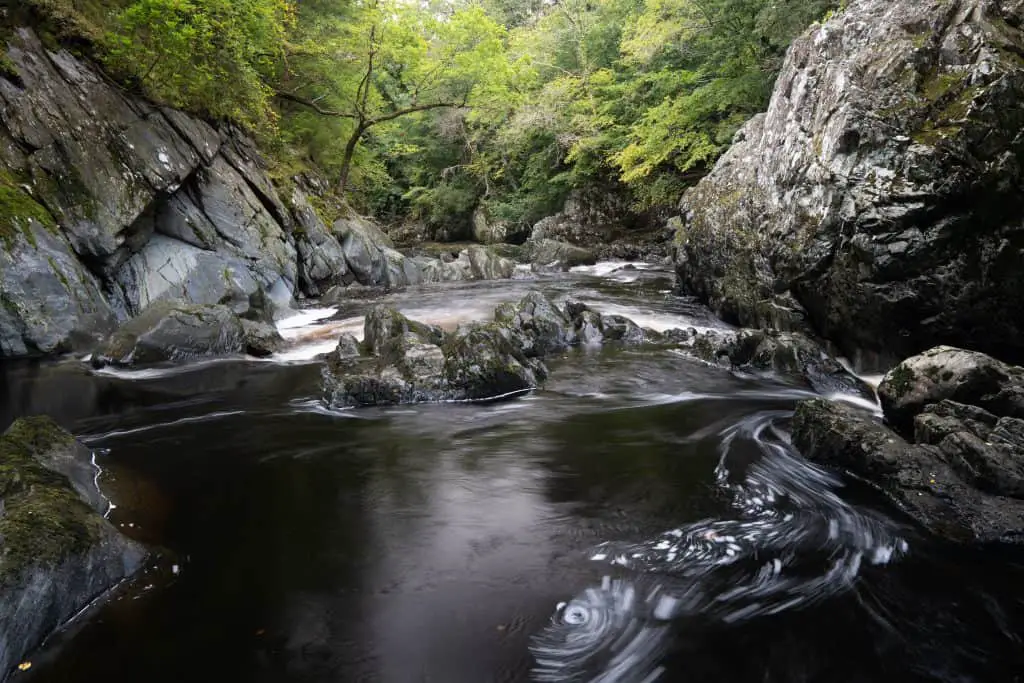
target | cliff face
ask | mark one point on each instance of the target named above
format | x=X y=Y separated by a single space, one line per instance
x=881 y=197
x=109 y=203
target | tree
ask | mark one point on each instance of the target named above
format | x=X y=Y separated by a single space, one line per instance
x=370 y=64
x=209 y=56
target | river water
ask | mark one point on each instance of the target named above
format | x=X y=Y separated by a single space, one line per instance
x=643 y=517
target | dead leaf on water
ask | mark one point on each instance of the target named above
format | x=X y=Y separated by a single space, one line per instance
x=24 y=666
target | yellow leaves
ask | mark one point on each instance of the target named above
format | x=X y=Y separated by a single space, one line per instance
x=24 y=666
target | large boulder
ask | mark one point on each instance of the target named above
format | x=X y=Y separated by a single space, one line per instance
x=947 y=373
x=961 y=490
x=540 y=325
x=175 y=332
x=321 y=259
x=883 y=187
x=548 y=254
x=57 y=551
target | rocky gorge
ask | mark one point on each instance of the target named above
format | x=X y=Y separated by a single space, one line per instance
x=873 y=213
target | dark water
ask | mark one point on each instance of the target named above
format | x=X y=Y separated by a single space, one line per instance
x=435 y=543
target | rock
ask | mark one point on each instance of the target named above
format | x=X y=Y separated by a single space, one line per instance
x=49 y=303
x=321 y=260
x=486 y=265
x=785 y=353
x=174 y=332
x=475 y=362
x=922 y=479
x=57 y=552
x=618 y=328
x=540 y=326
x=261 y=339
x=137 y=204
x=955 y=374
x=384 y=324
x=489 y=231
x=882 y=190
x=483 y=361
x=548 y=254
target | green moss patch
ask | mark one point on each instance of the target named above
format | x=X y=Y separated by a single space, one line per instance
x=43 y=521
x=17 y=211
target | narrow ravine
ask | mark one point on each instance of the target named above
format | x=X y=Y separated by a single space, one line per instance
x=641 y=517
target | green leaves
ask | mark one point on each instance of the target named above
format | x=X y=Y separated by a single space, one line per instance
x=211 y=56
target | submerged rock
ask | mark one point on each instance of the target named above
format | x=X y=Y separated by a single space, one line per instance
x=175 y=332
x=57 y=552
x=882 y=190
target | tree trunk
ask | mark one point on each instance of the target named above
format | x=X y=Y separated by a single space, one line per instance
x=346 y=160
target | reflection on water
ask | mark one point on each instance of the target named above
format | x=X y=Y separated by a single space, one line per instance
x=653 y=504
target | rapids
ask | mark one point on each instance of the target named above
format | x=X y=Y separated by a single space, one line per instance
x=642 y=517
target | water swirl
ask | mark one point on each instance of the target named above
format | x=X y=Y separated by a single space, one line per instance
x=793 y=542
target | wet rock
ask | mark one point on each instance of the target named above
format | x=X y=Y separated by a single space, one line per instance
x=546 y=254
x=57 y=552
x=487 y=265
x=484 y=361
x=261 y=339
x=791 y=354
x=174 y=332
x=540 y=326
x=881 y=191
x=926 y=481
x=384 y=324
x=955 y=374
x=618 y=328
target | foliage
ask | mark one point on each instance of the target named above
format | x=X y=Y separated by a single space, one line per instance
x=210 y=56
x=425 y=111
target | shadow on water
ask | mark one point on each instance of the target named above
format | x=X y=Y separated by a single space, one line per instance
x=433 y=543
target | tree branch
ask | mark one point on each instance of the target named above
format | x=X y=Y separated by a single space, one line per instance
x=299 y=99
x=413 y=109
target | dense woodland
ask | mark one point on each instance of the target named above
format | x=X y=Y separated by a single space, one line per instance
x=425 y=111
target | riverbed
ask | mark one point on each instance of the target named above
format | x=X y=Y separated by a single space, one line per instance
x=641 y=517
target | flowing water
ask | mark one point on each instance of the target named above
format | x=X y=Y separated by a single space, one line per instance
x=643 y=517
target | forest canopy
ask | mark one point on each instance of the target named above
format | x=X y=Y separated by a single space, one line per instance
x=430 y=110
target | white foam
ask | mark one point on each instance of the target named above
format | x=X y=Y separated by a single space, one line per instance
x=605 y=268
x=304 y=318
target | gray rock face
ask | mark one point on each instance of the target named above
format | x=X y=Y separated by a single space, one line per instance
x=321 y=259
x=954 y=374
x=882 y=189
x=472 y=263
x=958 y=467
x=57 y=553
x=174 y=332
x=489 y=231
x=49 y=303
x=140 y=204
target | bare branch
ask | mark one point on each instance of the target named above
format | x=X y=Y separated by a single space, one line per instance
x=312 y=104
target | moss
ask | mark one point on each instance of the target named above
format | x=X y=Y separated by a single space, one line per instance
x=44 y=520
x=17 y=211
x=900 y=380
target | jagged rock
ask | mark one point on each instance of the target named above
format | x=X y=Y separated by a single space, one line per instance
x=57 y=552
x=541 y=327
x=483 y=361
x=321 y=260
x=950 y=373
x=384 y=323
x=790 y=354
x=965 y=500
x=174 y=332
x=141 y=203
x=883 y=187
x=261 y=339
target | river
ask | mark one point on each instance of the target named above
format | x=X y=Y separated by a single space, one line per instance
x=642 y=517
